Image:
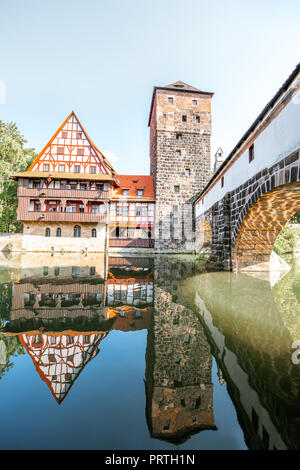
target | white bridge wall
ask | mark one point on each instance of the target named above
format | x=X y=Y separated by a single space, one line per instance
x=279 y=139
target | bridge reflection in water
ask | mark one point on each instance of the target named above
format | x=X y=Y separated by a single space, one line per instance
x=61 y=313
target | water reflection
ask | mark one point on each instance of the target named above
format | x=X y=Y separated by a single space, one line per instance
x=60 y=311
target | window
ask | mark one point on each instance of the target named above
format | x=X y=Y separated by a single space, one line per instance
x=187 y=172
x=184 y=118
x=64 y=134
x=62 y=168
x=45 y=271
x=170 y=100
x=47 y=232
x=46 y=167
x=36 y=184
x=94 y=233
x=197 y=119
x=92 y=271
x=58 y=232
x=194 y=102
x=77 y=231
x=80 y=151
x=125 y=192
x=60 y=150
x=176 y=189
x=93 y=169
x=179 y=136
x=56 y=271
x=77 y=168
x=178 y=153
x=140 y=192
x=251 y=153
x=222 y=181
x=138 y=211
x=78 y=135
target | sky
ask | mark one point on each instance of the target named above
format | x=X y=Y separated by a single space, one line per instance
x=102 y=58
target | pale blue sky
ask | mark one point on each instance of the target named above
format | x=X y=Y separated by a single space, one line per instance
x=102 y=58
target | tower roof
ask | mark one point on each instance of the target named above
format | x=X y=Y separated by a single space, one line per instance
x=182 y=86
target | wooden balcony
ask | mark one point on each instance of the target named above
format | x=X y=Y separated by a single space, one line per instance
x=44 y=216
x=63 y=193
x=131 y=242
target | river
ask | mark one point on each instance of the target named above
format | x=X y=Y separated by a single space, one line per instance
x=147 y=353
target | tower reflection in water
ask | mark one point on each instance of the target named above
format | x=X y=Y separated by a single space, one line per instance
x=61 y=314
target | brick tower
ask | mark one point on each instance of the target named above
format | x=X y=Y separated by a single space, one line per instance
x=180 y=130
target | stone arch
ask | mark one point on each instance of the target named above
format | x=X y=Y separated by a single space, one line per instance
x=255 y=235
x=204 y=236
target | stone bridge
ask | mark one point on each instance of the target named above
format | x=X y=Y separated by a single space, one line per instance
x=256 y=190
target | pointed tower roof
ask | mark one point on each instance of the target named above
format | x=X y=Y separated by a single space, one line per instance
x=69 y=146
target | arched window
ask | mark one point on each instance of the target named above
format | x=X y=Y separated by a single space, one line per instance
x=94 y=233
x=58 y=232
x=47 y=233
x=77 y=231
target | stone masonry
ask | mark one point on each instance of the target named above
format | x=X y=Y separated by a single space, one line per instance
x=180 y=130
x=246 y=222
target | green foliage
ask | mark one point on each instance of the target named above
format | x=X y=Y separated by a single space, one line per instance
x=14 y=157
x=13 y=349
x=285 y=241
x=296 y=218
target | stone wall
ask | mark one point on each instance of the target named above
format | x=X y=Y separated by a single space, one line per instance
x=179 y=157
x=34 y=238
x=246 y=222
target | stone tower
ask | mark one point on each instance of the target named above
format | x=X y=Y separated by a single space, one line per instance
x=180 y=130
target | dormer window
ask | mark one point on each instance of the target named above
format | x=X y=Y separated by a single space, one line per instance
x=125 y=192
x=140 y=192
x=170 y=100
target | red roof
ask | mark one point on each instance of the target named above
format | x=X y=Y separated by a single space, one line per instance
x=133 y=183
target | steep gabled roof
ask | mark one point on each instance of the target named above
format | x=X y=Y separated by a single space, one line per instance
x=71 y=126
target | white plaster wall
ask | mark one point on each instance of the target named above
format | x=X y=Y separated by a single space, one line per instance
x=277 y=141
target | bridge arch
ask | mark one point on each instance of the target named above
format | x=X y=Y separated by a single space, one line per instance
x=254 y=237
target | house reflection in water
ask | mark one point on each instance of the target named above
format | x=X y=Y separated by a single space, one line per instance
x=62 y=314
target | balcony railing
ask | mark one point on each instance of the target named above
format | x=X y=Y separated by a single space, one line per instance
x=40 y=216
x=63 y=193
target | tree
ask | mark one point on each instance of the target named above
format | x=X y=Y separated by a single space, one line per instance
x=14 y=158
